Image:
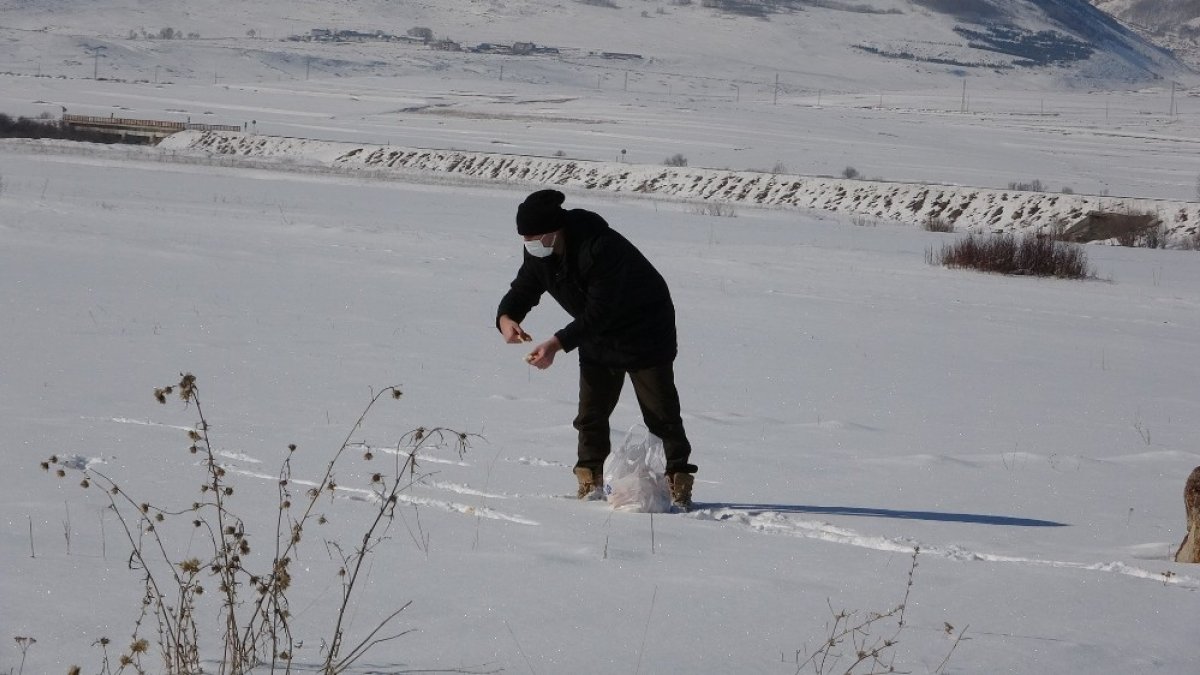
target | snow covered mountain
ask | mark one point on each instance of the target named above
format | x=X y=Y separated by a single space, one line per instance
x=828 y=44
x=1174 y=24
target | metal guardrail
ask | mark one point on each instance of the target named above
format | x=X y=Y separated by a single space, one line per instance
x=142 y=125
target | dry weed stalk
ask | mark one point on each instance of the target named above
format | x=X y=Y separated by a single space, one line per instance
x=853 y=636
x=255 y=613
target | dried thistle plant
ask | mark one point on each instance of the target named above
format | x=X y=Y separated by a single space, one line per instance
x=253 y=606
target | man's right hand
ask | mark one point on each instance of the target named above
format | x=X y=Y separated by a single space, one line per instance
x=512 y=332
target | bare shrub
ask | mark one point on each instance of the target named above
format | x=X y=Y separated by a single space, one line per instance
x=863 y=221
x=676 y=160
x=779 y=168
x=25 y=127
x=1152 y=237
x=1036 y=255
x=1034 y=185
x=934 y=223
x=715 y=209
x=421 y=33
x=850 y=172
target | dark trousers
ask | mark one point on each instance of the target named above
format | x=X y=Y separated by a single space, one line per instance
x=599 y=391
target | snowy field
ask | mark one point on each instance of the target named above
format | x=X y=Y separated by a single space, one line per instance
x=847 y=401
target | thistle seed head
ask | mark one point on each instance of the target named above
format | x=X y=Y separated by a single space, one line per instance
x=187 y=386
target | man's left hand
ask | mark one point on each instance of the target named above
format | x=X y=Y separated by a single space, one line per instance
x=542 y=356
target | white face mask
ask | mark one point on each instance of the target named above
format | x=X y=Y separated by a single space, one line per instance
x=539 y=250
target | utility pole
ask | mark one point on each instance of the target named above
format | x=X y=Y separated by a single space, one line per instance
x=95 y=51
x=1172 y=98
x=963 y=107
x=775 y=99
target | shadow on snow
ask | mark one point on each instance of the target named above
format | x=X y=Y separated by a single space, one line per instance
x=974 y=518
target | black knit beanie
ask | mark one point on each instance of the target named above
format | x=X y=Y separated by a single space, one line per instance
x=541 y=213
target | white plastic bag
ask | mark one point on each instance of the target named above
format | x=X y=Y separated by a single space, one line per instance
x=635 y=474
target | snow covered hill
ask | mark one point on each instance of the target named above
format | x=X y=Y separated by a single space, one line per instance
x=1174 y=24
x=829 y=44
x=967 y=208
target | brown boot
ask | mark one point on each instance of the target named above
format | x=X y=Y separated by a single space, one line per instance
x=591 y=484
x=681 y=490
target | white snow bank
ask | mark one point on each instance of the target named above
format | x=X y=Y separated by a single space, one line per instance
x=968 y=208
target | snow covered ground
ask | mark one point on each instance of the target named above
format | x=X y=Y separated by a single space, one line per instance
x=848 y=401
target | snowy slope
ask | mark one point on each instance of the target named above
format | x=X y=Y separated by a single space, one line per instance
x=1174 y=24
x=967 y=208
x=826 y=44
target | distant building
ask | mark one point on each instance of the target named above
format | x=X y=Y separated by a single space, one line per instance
x=490 y=48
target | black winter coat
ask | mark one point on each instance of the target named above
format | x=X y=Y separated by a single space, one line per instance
x=622 y=309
